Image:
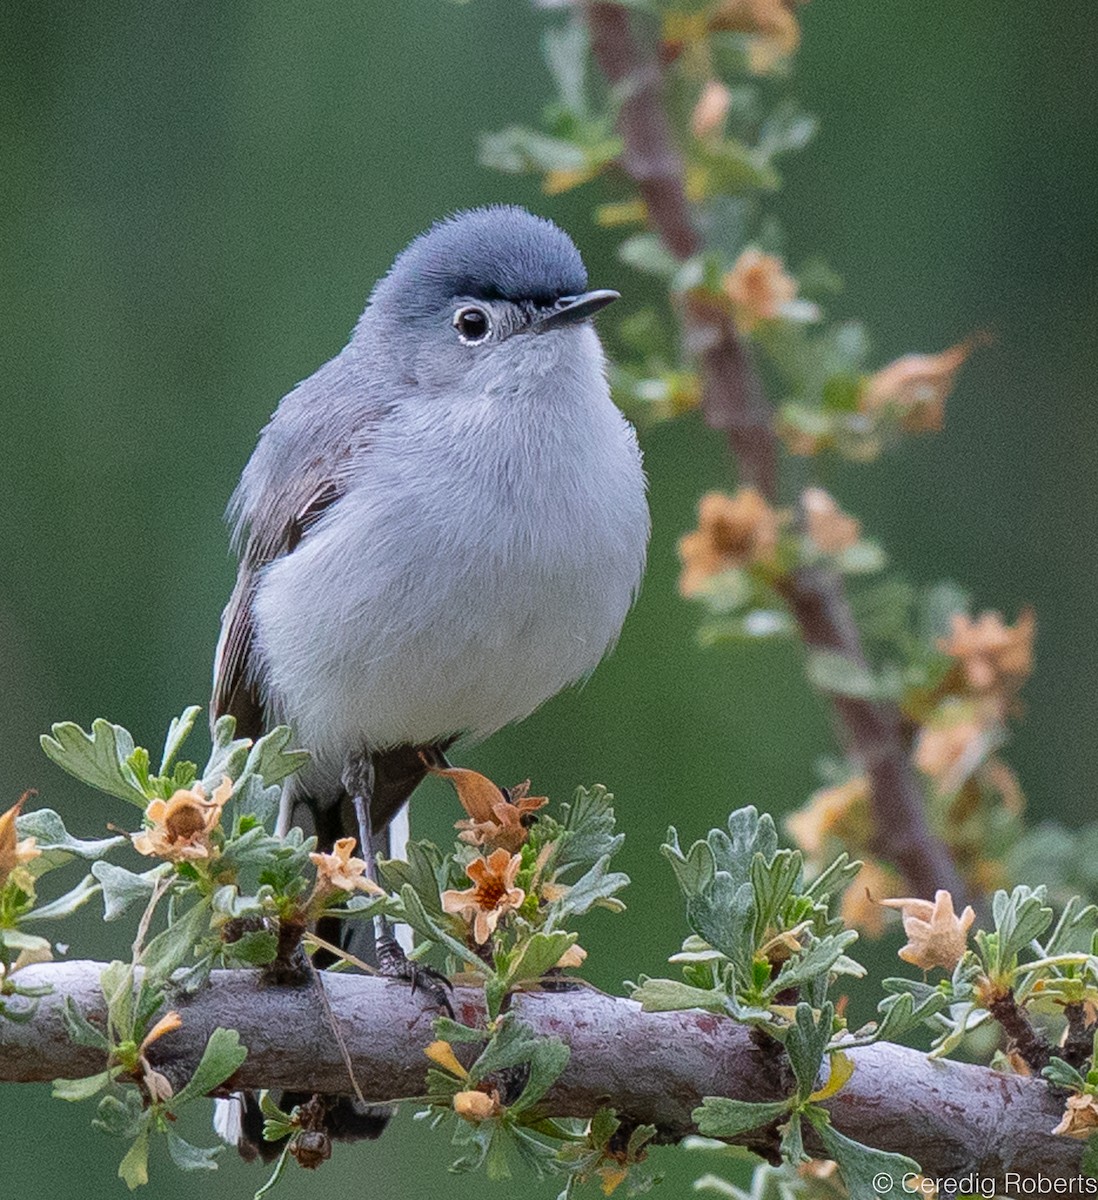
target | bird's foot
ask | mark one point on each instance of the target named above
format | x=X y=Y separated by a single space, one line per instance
x=393 y=963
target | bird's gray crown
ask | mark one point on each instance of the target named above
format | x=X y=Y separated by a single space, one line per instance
x=501 y=252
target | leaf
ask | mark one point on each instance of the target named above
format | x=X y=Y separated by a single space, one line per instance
x=418 y=918
x=58 y=846
x=833 y=879
x=805 y=1042
x=669 y=995
x=514 y=1044
x=192 y=1158
x=821 y=956
x=841 y=676
x=749 y=833
x=596 y=886
x=80 y=1089
x=270 y=760
x=256 y=948
x=1064 y=1075
x=66 y=905
x=900 y=1013
x=589 y=824
x=133 y=1170
x=121 y=888
x=773 y=883
x=724 y=915
x=646 y=252
x=694 y=870
x=178 y=732
x=722 y=1117
x=97 y=759
x=565 y=50
x=419 y=872
x=537 y=955
x=517 y=149
x=842 y=1067
x=80 y=1029
x=252 y=798
x=860 y=1165
x=17 y=940
x=1020 y=917
x=173 y=947
x=121 y=1116
x=221 y=1058
x=227 y=756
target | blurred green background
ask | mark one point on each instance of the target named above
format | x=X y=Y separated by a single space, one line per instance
x=195 y=200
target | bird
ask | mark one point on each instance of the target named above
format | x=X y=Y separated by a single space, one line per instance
x=440 y=529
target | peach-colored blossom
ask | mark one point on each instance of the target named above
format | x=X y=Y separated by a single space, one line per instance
x=180 y=827
x=733 y=531
x=937 y=936
x=492 y=895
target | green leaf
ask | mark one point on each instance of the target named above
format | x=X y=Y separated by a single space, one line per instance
x=80 y=1089
x=173 y=947
x=565 y=49
x=1064 y=1075
x=58 y=846
x=588 y=822
x=899 y=1013
x=17 y=940
x=270 y=760
x=819 y=958
x=833 y=879
x=534 y=957
x=841 y=676
x=721 y=1117
x=178 y=732
x=805 y=1043
x=221 y=1058
x=694 y=870
x=418 y=918
x=80 y=1029
x=670 y=995
x=419 y=872
x=66 y=905
x=724 y=915
x=514 y=1044
x=646 y=252
x=133 y=1170
x=227 y=756
x=517 y=149
x=121 y=1116
x=97 y=759
x=256 y=948
x=121 y=888
x=749 y=833
x=192 y=1158
x=773 y=883
x=596 y=886
x=1020 y=917
x=1089 y=1165
x=861 y=1166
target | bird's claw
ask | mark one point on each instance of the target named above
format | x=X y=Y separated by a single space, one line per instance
x=393 y=963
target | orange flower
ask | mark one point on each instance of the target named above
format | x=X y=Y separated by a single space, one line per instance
x=772 y=21
x=733 y=531
x=950 y=749
x=157 y=1084
x=574 y=956
x=181 y=827
x=937 y=937
x=339 y=872
x=1080 y=1118
x=497 y=817
x=994 y=656
x=759 y=288
x=825 y=814
x=492 y=895
x=477 y=1106
x=830 y=529
x=711 y=109
x=916 y=386
x=13 y=852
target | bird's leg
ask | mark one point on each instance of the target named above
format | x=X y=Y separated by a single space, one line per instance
x=358 y=779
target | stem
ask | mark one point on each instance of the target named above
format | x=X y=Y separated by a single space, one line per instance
x=734 y=403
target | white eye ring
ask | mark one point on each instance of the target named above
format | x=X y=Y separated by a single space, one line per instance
x=473 y=324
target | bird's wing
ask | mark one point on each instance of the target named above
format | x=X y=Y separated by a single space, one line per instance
x=300 y=468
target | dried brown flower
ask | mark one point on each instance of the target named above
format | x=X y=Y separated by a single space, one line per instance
x=917 y=386
x=936 y=935
x=14 y=852
x=180 y=828
x=1080 y=1118
x=733 y=531
x=340 y=872
x=497 y=818
x=759 y=287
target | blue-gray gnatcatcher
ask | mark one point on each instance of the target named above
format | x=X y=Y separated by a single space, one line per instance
x=442 y=527
x=439 y=530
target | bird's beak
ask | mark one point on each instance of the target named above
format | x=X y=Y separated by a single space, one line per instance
x=570 y=309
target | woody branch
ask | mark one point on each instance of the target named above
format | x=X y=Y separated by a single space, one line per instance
x=733 y=402
x=651 y=1067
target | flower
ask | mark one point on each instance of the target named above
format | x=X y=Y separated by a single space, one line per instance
x=825 y=814
x=1080 y=1118
x=574 y=956
x=994 y=656
x=180 y=828
x=13 y=852
x=339 y=872
x=759 y=288
x=830 y=529
x=157 y=1084
x=916 y=386
x=711 y=109
x=958 y=741
x=492 y=895
x=497 y=816
x=442 y=1053
x=777 y=34
x=937 y=937
x=733 y=531
x=477 y=1106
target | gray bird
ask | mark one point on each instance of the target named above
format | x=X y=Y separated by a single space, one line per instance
x=441 y=528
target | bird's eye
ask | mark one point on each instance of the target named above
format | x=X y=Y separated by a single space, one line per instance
x=473 y=324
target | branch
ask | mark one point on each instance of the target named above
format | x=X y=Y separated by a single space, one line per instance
x=652 y=1067
x=734 y=403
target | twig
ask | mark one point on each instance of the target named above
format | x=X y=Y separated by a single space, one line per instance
x=651 y=1067
x=733 y=402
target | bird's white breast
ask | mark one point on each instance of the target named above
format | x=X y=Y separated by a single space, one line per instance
x=483 y=558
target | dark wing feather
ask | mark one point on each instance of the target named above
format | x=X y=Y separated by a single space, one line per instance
x=236 y=677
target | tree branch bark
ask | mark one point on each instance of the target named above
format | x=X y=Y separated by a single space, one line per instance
x=734 y=403
x=953 y=1118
